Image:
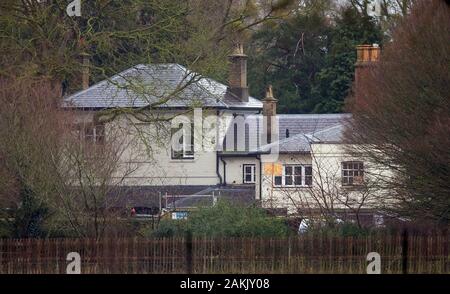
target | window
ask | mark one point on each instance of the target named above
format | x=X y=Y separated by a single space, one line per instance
x=352 y=173
x=294 y=176
x=249 y=174
x=186 y=141
x=91 y=133
x=308 y=175
x=95 y=133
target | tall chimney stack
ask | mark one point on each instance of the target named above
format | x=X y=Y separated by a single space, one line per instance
x=85 y=71
x=367 y=55
x=269 y=111
x=85 y=66
x=238 y=73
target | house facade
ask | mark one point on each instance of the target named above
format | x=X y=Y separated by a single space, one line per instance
x=195 y=136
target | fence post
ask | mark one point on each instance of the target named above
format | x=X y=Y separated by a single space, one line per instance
x=189 y=252
x=166 y=201
x=214 y=198
x=160 y=203
x=405 y=251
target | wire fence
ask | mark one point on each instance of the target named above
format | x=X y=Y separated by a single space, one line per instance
x=322 y=253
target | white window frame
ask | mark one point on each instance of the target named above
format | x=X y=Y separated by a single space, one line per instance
x=303 y=176
x=92 y=133
x=252 y=174
x=188 y=153
x=352 y=170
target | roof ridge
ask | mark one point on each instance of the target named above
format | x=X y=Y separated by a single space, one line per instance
x=327 y=128
x=314 y=114
x=105 y=81
x=209 y=90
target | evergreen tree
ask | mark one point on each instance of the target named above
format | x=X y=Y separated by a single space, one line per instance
x=309 y=58
x=332 y=84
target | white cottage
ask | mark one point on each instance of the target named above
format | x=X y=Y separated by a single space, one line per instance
x=238 y=147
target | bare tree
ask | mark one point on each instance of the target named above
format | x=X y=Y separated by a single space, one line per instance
x=324 y=197
x=60 y=172
x=401 y=119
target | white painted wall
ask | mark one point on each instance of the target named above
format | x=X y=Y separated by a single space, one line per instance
x=327 y=189
x=148 y=147
x=234 y=169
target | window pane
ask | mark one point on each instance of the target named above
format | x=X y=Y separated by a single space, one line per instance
x=288 y=180
x=288 y=170
x=249 y=173
x=298 y=170
x=277 y=181
x=308 y=170
x=298 y=180
x=308 y=180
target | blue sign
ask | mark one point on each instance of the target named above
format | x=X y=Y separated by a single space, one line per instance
x=179 y=215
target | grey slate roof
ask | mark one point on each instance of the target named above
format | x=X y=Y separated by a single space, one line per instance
x=306 y=129
x=143 y=85
x=329 y=135
x=308 y=123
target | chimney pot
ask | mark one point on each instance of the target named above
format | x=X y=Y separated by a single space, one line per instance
x=367 y=55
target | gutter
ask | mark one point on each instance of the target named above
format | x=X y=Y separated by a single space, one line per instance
x=94 y=108
x=224 y=171
x=217 y=169
x=260 y=177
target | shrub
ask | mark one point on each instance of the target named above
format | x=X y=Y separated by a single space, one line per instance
x=225 y=220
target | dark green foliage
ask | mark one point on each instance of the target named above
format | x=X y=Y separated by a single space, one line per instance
x=226 y=220
x=332 y=84
x=29 y=216
x=288 y=57
x=310 y=59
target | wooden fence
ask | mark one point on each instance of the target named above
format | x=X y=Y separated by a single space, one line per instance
x=305 y=254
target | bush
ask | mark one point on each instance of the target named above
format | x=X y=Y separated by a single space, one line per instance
x=341 y=229
x=225 y=220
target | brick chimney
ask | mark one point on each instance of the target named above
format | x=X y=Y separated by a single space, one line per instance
x=367 y=55
x=85 y=63
x=85 y=71
x=238 y=73
x=269 y=111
